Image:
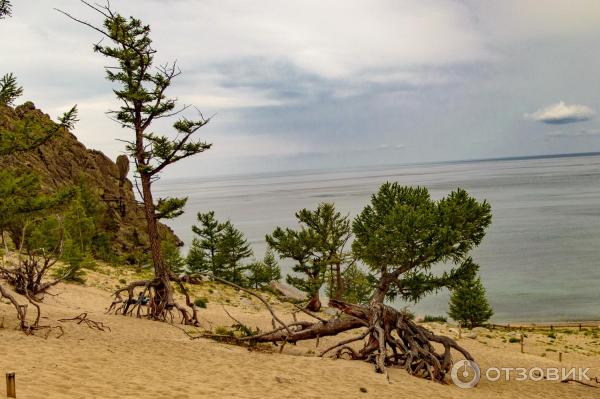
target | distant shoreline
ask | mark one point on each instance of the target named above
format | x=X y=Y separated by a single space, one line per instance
x=309 y=171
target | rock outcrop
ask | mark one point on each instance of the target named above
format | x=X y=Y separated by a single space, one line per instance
x=64 y=161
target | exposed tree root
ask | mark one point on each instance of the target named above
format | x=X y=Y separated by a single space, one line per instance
x=94 y=325
x=154 y=301
x=392 y=339
x=29 y=328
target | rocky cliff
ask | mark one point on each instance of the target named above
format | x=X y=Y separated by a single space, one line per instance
x=64 y=161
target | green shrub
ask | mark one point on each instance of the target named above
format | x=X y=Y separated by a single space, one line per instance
x=201 y=302
x=220 y=330
x=434 y=319
x=552 y=335
x=514 y=340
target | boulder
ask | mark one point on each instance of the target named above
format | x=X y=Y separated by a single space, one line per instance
x=288 y=291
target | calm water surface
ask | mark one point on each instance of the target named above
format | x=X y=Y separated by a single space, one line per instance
x=540 y=260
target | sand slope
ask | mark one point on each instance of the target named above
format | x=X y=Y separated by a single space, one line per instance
x=142 y=358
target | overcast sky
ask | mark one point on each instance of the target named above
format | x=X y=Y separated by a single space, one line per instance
x=312 y=84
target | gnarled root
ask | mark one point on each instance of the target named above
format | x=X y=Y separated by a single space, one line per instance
x=29 y=328
x=155 y=300
x=392 y=340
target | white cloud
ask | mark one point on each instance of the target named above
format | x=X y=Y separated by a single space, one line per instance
x=561 y=113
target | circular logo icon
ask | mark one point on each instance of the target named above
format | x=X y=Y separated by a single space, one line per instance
x=465 y=374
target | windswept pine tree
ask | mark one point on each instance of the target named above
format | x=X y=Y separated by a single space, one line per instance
x=399 y=236
x=141 y=86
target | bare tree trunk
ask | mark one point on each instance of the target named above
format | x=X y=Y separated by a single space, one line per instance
x=339 y=283
x=314 y=305
x=163 y=298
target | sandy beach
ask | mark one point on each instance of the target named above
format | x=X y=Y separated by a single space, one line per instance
x=143 y=358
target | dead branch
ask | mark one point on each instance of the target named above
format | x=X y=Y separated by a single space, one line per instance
x=595 y=379
x=251 y=292
x=94 y=325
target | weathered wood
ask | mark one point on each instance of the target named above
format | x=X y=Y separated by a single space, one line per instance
x=11 y=386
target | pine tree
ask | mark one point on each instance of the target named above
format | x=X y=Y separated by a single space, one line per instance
x=317 y=247
x=5 y=9
x=232 y=248
x=173 y=259
x=468 y=304
x=9 y=89
x=218 y=249
x=403 y=233
x=358 y=287
x=261 y=273
x=202 y=256
x=141 y=92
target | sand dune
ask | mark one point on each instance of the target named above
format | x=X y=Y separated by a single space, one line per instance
x=142 y=358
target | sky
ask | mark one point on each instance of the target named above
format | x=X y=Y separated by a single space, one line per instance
x=334 y=83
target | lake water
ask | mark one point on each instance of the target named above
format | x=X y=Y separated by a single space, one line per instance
x=540 y=260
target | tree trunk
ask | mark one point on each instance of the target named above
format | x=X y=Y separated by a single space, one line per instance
x=339 y=284
x=382 y=288
x=163 y=298
x=314 y=305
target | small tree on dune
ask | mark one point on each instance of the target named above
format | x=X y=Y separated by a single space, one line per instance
x=316 y=246
x=232 y=248
x=202 y=256
x=262 y=272
x=141 y=91
x=219 y=249
x=468 y=304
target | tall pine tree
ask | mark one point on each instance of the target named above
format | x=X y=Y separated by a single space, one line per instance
x=141 y=91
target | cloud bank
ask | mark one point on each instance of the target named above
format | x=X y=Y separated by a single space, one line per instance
x=561 y=113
